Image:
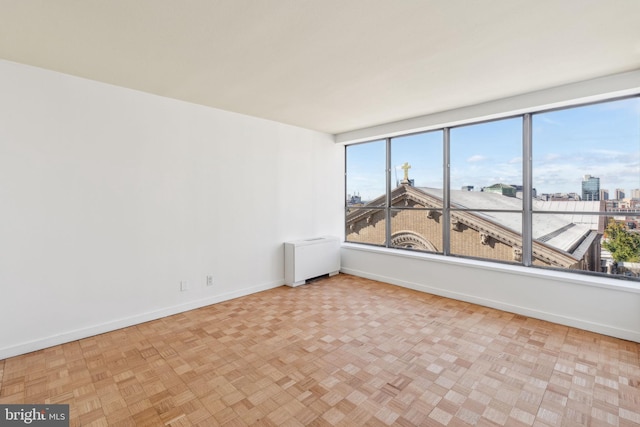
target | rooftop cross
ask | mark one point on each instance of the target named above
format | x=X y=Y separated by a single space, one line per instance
x=406 y=168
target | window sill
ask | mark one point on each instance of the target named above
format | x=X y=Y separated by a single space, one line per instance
x=622 y=284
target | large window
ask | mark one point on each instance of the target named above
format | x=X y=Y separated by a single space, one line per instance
x=486 y=190
x=554 y=189
x=416 y=207
x=366 y=189
x=585 y=162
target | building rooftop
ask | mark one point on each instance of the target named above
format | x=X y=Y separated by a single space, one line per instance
x=564 y=232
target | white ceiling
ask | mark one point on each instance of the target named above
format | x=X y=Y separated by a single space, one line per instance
x=329 y=65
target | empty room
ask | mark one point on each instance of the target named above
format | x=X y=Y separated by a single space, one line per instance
x=320 y=212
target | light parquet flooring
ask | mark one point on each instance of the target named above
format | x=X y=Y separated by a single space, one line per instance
x=341 y=351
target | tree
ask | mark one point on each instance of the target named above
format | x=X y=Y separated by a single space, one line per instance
x=623 y=244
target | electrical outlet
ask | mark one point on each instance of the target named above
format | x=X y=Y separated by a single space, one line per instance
x=184 y=285
x=209 y=280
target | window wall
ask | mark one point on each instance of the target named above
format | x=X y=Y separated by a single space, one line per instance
x=543 y=189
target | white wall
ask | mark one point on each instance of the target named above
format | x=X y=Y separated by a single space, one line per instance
x=110 y=197
x=603 y=305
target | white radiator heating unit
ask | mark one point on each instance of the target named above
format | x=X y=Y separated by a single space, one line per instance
x=306 y=259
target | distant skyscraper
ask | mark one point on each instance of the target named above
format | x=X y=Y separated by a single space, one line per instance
x=635 y=194
x=604 y=194
x=619 y=194
x=590 y=188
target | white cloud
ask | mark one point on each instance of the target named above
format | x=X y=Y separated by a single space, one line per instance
x=476 y=158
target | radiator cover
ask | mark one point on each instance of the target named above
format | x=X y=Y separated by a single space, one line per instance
x=306 y=259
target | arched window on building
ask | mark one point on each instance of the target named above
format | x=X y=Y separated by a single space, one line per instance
x=411 y=240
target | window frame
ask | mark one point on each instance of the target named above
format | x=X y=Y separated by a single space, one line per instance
x=527 y=211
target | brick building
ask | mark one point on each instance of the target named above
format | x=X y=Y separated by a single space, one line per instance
x=416 y=223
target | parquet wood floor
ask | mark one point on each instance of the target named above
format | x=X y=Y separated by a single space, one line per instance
x=341 y=351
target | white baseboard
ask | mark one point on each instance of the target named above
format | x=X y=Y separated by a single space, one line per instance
x=561 y=319
x=73 y=335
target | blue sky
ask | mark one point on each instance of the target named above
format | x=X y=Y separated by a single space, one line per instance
x=601 y=140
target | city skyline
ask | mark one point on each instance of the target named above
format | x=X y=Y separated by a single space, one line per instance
x=601 y=140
